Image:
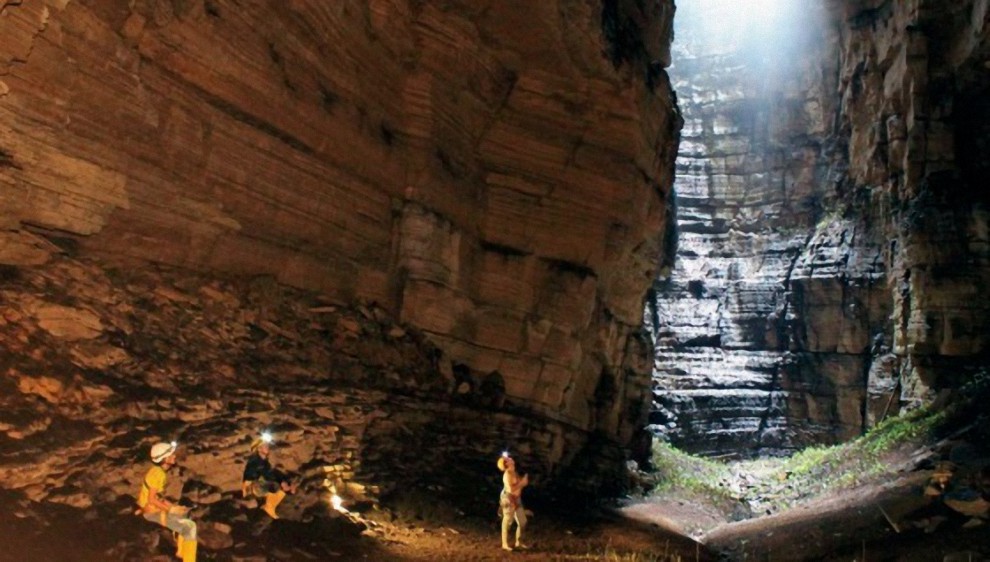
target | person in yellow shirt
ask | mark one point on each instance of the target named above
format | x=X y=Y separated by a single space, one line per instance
x=157 y=509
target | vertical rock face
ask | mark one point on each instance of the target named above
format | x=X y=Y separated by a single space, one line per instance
x=914 y=84
x=828 y=259
x=495 y=174
x=750 y=355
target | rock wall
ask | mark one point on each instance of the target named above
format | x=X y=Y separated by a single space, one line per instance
x=495 y=175
x=914 y=114
x=831 y=237
x=100 y=363
x=750 y=354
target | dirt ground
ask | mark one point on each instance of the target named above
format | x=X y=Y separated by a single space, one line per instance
x=599 y=537
x=882 y=521
x=37 y=532
x=858 y=525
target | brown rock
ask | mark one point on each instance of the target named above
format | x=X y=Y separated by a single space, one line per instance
x=214 y=536
x=24 y=248
x=67 y=322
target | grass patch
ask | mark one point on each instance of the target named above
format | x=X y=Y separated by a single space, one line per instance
x=770 y=485
x=820 y=469
x=898 y=430
x=610 y=554
x=678 y=471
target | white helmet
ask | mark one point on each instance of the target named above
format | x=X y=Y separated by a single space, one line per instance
x=162 y=451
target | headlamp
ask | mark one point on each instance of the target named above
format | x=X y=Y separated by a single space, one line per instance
x=266 y=437
x=505 y=454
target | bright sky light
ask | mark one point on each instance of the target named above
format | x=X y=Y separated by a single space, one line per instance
x=757 y=27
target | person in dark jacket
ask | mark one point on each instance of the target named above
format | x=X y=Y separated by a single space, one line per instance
x=262 y=480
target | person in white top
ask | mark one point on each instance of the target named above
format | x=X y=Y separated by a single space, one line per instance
x=510 y=500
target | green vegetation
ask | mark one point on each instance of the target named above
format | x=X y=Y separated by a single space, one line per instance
x=611 y=555
x=768 y=485
x=898 y=430
x=679 y=471
x=819 y=469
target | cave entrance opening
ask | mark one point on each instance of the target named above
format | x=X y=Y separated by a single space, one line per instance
x=731 y=378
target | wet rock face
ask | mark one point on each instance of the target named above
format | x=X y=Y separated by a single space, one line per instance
x=752 y=355
x=829 y=249
x=496 y=177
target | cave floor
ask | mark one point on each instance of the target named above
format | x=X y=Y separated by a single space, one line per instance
x=847 y=526
x=886 y=519
x=42 y=532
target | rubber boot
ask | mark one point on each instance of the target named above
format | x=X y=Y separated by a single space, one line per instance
x=272 y=501
x=189 y=551
x=178 y=545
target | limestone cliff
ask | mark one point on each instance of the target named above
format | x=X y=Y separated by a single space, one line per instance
x=915 y=113
x=495 y=174
x=832 y=239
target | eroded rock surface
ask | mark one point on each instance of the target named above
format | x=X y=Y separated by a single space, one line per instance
x=830 y=247
x=360 y=405
x=494 y=175
x=914 y=86
x=752 y=354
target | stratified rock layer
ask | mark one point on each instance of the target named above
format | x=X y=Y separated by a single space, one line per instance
x=830 y=249
x=495 y=175
x=914 y=89
x=99 y=364
x=746 y=360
